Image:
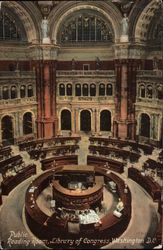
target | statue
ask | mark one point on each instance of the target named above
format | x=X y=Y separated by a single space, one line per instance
x=124 y=30
x=155 y=63
x=97 y=63
x=44 y=27
x=73 y=64
x=124 y=25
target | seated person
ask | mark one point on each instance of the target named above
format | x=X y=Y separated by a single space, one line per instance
x=120 y=205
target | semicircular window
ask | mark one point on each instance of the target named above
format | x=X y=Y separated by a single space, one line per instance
x=86 y=28
x=158 y=34
x=8 y=28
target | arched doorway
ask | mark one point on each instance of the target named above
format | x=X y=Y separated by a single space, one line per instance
x=105 y=120
x=65 y=120
x=145 y=125
x=85 y=121
x=7 y=130
x=27 y=123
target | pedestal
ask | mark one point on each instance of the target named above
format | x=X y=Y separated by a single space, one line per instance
x=124 y=39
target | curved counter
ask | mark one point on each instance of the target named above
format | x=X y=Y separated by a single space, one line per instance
x=45 y=227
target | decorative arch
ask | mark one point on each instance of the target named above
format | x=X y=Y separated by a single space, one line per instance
x=13 y=92
x=61 y=89
x=25 y=11
x=85 y=120
x=145 y=125
x=141 y=20
x=102 y=89
x=107 y=10
x=105 y=120
x=159 y=92
x=69 y=89
x=141 y=90
x=93 y=89
x=65 y=119
x=85 y=26
x=7 y=129
x=27 y=123
x=22 y=91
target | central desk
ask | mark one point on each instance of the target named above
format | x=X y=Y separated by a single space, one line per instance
x=79 y=199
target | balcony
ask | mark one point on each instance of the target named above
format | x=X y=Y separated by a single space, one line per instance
x=81 y=99
x=79 y=73
x=17 y=74
x=18 y=101
x=150 y=73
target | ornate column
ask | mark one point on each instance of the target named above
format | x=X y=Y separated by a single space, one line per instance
x=122 y=128
x=77 y=120
x=98 y=121
x=72 y=120
x=95 y=120
x=47 y=122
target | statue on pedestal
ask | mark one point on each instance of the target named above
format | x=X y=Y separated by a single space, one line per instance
x=44 y=28
x=124 y=29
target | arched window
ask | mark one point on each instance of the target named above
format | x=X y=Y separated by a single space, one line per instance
x=160 y=92
x=85 y=27
x=30 y=90
x=7 y=130
x=8 y=28
x=27 y=123
x=109 y=90
x=85 y=121
x=69 y=89
x=78 y=90
x=145 y=125
x=13 y=92
x=65 y=120
x=61 y=89
x=22 y=91
x=142 y=91
x=85 y=89
x=101 y=89
x=149 y=91
x=105 y=120
x=5 y=93
x=92 y=89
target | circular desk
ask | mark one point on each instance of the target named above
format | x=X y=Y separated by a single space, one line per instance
x=47 y=227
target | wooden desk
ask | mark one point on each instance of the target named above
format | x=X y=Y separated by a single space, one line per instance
x=5 y=152
x=60 y=160
x=82 y=199
x=29 y=145
x=78 y=169
x=122 y=143
x=10 y=183
x=146 y=182
x=46 y=227
x=125 y=154
x=56 y=150
x=101 y=161
x=10 y=161
x=152 y=164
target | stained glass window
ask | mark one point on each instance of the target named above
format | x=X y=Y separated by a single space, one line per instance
x=86 y=28
x=8 y=28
